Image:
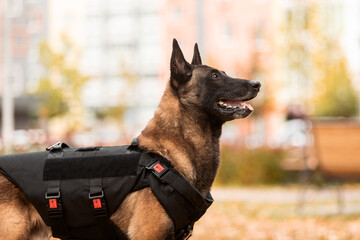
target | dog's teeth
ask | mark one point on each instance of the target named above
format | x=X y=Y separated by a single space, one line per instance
x=221 y=102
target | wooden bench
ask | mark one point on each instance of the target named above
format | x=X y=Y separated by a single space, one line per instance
x=336 y=150
x=337 y=147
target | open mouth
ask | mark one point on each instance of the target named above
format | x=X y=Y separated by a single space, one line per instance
x=236 y=108
x=234 y=105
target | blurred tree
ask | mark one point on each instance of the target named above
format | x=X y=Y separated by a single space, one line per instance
x=59 y=90
x=333 y=92
x=114 y=115
x=316 y=70
x=117 y=112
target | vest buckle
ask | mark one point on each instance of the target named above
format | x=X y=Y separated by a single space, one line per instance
x=54 y=206
x=98 y=205
x=158 y=169
x=57 y=146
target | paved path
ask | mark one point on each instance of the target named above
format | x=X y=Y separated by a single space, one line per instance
x=317 y=200
x=284 y=194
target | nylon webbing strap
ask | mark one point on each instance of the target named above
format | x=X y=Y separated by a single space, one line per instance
x=188 y=191
x=97 y=199
x=95 y=186
x=191 y=200
x=171 y=177
x=99 y=210
x=53 y=198
x=55 y=210
x=53 y=188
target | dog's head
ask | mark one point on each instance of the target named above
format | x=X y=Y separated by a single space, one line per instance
x=207 y=89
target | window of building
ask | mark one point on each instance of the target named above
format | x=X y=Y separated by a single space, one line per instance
x=18 y=81
x=227 y=31
x=15 y=8
x=177 y=14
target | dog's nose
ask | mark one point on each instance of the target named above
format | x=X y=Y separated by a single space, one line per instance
x=255 y=84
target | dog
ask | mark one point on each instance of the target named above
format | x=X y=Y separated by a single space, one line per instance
x=185 y=130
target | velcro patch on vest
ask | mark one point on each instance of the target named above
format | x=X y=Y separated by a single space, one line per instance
x=91 y=167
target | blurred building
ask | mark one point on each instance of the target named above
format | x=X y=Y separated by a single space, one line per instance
x=122 y=52
x=125 y=47
x=26 y=26
x=119 y=44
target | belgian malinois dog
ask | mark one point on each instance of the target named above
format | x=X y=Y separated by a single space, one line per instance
x=185 y=129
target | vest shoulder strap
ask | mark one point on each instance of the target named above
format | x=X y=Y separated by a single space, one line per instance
x=183 y=203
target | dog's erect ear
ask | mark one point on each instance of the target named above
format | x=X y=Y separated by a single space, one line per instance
x=180 y=69
x=196 y=58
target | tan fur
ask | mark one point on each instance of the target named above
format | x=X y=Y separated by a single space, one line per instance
x=138 y=213
x=170 y=146
x=19 y=220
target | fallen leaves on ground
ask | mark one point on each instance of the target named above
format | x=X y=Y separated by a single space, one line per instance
x=246 y=221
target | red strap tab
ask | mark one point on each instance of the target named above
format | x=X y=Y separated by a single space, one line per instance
x=188 y=236
x=52 y=203
x=97 y=203
x=158 y=168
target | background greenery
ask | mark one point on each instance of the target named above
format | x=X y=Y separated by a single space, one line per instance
x=240 y=166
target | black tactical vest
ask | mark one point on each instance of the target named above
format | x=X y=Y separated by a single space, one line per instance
x=76 y=190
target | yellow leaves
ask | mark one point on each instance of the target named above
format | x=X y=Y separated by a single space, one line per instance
x=51 y=99
x=251 y=220
x=59 y=89
x=334 y=94
x=313 y=61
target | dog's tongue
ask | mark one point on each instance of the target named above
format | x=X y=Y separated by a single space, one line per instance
x=248 y=106
x=239 y=104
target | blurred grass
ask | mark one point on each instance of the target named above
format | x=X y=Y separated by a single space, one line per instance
x=242 y=166
x=269 y=221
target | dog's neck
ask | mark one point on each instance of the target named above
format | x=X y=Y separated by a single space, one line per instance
x=185 y=137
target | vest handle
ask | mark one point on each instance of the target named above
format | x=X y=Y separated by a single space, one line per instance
x=57 y=146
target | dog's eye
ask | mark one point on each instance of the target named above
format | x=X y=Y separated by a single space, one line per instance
x=214 y=75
